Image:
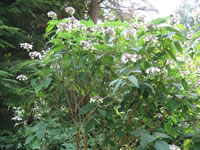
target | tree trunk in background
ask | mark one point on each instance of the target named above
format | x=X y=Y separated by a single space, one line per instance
x=94 y=10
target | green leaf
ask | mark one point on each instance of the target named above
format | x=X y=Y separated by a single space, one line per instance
x=117 y=85
x=36 y=143
x=119 y=133
x=33 y=82
x=40 y=134
x=90 y=124
x=29 y=139
x=172 y=52
x=47 y=82
x=133 y=80
x=161 y=145
x=196 y=35
x=178 y=46
x=39 y=87
x=148 y=85
x=139 y=132
x=146 y=139
x=50 y=27
x=86 y=108
x=170 y=130
x=180 y=26
x=160 y=20
x=114 y=82
x=160 y=135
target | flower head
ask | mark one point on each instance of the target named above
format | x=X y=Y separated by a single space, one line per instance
x=152 y=70
x=70 y=10
x=151 y=26
x=97 y=99
x=110 y=31
x=110 y=16
x=174 y=147
x=26 y=46
x=86 y=44
x=35 y=54
x=64 y=26
x=132 y=57
x=21 y=77
x=17 y=118
x=150 y=38
x=52 y=15
x=174 y=20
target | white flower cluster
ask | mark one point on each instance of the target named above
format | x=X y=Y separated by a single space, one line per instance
x=52 y=15
x=196 y=13
x=152 y=70
x=17 y=118
x=171 y=63
x=110 y=16
x=130 y=32
x=97 y=99
x=64 y=26
x=109 y=31
x=26 y=46
x=135 y=25
x=70 y=10
x=150 y=38
x=141 y=18
x=98 y=28
x=133 y=57
x=174 y=20
x=151 y=26
x=72 y=23
x=21 y=77
x=86 y=44
x=189 y=35
x=174 y=147
x=35 y=54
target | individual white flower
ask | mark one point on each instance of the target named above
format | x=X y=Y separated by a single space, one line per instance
x=152 y=38
x=17 y=118
x=35 y=54
x=52 y=15
x=152 y=70
x=109 y=31
x=132 y=57
x=174 y=147
x=64 y=26
x=70 y=10
x=21 y=77
x=174 y=20
x=26 y=46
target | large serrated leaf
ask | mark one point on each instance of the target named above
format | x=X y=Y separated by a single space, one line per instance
x=146 y=139
x=161 y=145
